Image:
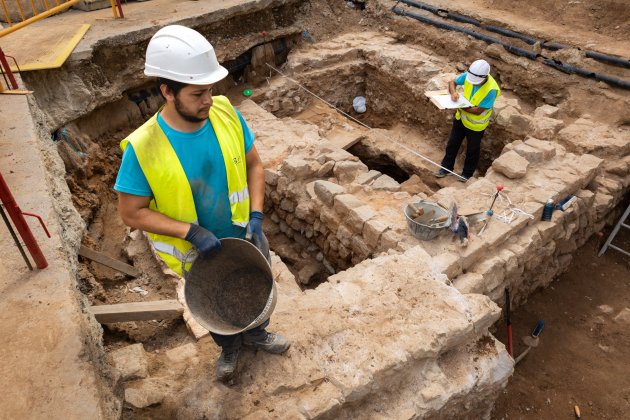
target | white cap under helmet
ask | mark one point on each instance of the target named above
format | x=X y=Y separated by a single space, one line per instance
x=182 y=54
x=478 y=71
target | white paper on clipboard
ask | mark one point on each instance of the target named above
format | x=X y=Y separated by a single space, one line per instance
x=447 y=103
x=442 y=99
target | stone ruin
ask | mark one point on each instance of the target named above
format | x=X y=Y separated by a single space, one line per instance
x=383 y=325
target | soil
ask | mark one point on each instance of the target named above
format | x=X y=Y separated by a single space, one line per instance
x=582 y=358
x=583 y=353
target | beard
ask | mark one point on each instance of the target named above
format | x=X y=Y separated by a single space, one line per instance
x=186 y=115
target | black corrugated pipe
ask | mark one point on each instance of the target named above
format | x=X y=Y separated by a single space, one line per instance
x=511 y=48
x=461 y=18
x=567 y=68
x=507 y=32
x=423 y=6
x=518 y=51
x=611 y=59
x=551 y=46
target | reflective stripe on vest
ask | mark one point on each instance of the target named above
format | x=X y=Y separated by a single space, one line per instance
x=172 y=194
x=472 y=121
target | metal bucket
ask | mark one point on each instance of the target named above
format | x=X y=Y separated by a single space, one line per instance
x=232 y=290
x=426 y=230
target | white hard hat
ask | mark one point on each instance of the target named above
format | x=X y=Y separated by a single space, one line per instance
x=182 y=54
x=478 y=71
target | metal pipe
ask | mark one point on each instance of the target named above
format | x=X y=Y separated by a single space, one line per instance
x=6 y=13
x=15 y=238
x=39 y=17
x=20 y=9
x=35 y=12
x=7 y=69
x=20 y=224
x=120 y=12
x=113 y=3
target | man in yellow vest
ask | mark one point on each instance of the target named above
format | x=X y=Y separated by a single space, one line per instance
x=191 y=174
x=481 y=90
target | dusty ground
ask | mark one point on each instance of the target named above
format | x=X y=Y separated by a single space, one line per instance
x=582 y=358
x=583 y=355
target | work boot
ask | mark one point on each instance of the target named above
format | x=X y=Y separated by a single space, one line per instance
x=441 y=173
x=274 y=343
x=227 y=364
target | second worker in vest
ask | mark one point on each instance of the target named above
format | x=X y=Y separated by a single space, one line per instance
x=481 y=90
x=191 y=174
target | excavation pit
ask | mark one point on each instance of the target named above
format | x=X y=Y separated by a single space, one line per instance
x=377 y=317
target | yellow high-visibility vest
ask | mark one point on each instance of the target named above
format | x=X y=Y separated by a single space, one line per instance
x=172 y=194
x=472 y=121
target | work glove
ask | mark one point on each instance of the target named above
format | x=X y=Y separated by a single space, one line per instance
x=255 y=233
x=202 y=239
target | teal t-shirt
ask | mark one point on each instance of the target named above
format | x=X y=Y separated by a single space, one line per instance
x=200 y=156
x=488 y=101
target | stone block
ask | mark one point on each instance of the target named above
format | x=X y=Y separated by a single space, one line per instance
x=182 y=353
x=511 y=164
x=344 y=235
x=326 y=169
x=586 y=167
x=547 y=111
x=387 y=183
x=308 y=272
x=329 y=219
x=367 y=178
x=514 y=121
x=287 y=205
x=348 y=171
x=358 y=216
x=359 y=247
x=343 y=203
x=131 y=362
x=372 y=230
x=389 y=240
x=326 y=191
x=296 y=168
x=532 y=154
x=271 y=177
x=339 y=155
x=144 y=394
x=469 y=283
x=548 y=149
x=546 y=128
x=617 y=167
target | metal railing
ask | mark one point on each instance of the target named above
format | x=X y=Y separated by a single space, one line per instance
x=59 y=6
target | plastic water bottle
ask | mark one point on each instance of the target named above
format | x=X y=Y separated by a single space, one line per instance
x=548 y=210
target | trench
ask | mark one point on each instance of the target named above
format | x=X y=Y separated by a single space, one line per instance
x=304 y=244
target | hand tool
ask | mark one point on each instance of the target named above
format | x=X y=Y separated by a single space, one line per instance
x=531 y=341
x=490 y=212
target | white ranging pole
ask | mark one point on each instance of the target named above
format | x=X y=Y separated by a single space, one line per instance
x=363 y=124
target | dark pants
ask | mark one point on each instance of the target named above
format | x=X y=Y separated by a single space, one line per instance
x=234 y=342
x=473 y=148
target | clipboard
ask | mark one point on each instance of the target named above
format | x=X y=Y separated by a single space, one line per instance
x=442 y=99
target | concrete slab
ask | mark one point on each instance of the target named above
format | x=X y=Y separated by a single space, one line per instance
x=51 y=351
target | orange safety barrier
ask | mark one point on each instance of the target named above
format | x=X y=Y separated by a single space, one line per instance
x=37 y=15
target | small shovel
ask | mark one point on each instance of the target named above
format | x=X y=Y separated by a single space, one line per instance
x=530 y=341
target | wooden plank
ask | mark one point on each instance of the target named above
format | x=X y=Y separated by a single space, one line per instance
x=108 y=261
x=137 y=311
